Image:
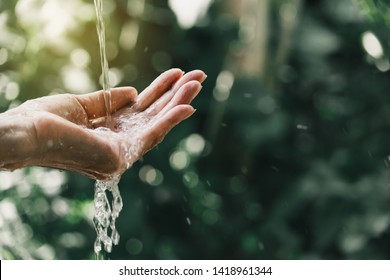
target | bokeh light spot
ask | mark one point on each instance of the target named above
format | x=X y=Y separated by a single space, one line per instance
x=80 y=58
x=190 y=179
x=12 y=91
x=134 y=246
x=179 y=160
x=372 y=45
x=195 y=144
x=188 y=12
x=3 y=56
x=151 y=175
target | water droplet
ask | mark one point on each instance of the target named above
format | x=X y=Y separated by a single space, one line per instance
x=108 y=246
x=97 y=246
x=117 y=205
x=115 y=237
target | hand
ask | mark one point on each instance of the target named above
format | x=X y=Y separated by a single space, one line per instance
x=71 y=132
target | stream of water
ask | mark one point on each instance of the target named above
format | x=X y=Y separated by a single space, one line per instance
x=103 y=58
x=106 y=213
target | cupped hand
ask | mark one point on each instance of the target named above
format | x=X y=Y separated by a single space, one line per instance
x=71 y=132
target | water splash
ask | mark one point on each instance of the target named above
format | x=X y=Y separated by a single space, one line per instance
x=106 y=214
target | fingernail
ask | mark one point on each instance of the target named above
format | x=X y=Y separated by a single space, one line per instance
x=191 y=113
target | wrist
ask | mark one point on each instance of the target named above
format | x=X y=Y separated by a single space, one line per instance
x=17 y=142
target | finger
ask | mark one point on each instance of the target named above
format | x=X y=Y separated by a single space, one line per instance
x=157 y=88
x=164 y=124
x=95 y=106
x=184 y=95
x=195 y=75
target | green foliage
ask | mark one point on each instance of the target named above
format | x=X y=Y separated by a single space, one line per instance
x=289 y=165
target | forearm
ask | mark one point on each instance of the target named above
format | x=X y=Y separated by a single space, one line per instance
x=16 y=145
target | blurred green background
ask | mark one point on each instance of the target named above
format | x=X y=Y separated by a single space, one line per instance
x=286 y=157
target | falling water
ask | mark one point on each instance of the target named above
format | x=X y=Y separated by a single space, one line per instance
x=103 y=58
x=105 y=214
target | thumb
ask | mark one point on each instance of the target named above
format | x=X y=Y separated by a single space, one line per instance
x=95 y=105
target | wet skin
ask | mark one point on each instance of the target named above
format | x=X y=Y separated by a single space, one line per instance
x=65 y=131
